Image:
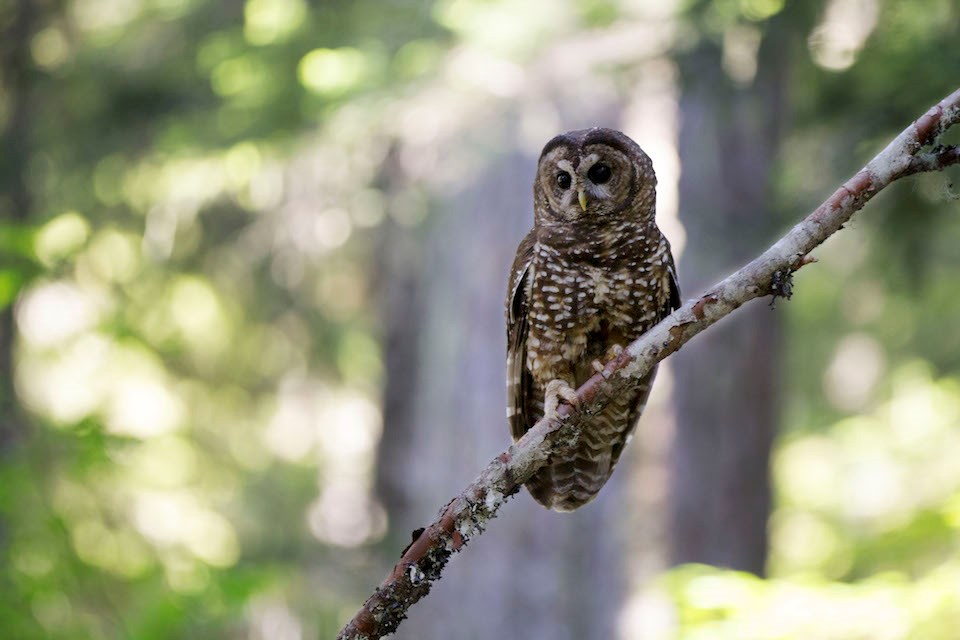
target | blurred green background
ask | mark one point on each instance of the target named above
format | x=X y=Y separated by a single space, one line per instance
x=252 y=258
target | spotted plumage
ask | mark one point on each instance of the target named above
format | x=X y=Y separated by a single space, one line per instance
x=592 y=275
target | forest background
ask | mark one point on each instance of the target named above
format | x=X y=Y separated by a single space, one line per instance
x=253 y=268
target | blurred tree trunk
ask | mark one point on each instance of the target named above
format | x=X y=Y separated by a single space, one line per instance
x=400 y=292
x=727 y=381
x=535 y=573
x=15 y=201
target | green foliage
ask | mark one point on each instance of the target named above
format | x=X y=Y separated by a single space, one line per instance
x=182 y=345
x=716 y=604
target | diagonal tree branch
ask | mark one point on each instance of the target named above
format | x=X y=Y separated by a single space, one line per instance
x=770 y=274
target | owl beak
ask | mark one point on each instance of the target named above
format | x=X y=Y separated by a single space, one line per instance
x=582 y=197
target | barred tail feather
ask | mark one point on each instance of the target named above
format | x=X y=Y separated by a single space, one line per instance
x=571 y=481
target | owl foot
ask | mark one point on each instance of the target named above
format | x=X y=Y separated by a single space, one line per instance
x=558 y=390
x=614 y=351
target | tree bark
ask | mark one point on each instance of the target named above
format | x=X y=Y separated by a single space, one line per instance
x=725 y=423
x=399 y=290
x=15 y=199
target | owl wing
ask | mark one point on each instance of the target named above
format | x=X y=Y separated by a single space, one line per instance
x=519 y=380
x=675 y=302
x=646 y=383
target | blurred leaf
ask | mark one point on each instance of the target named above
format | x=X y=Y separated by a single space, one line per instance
x=17 y=239
x=10 y=283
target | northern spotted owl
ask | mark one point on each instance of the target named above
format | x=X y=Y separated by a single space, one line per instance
x=591 y=276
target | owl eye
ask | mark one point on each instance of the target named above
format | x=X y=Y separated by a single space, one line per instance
x=599 y=173
x=563 y=179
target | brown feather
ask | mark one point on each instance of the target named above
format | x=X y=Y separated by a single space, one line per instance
x=519 y=380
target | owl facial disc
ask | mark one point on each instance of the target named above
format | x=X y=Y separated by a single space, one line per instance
x=593 y=175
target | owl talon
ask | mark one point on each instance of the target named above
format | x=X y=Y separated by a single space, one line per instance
x=558 y=390
x=612 y=353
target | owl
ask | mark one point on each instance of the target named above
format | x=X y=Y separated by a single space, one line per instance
x=592 y=275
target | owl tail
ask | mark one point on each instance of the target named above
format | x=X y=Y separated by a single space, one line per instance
x=571 y=481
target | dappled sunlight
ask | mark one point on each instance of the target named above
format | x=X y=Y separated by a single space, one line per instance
x=50 y=314
x=503 y=27
x=50 y=48
x=344 y=424
x=340 y=291
x=112 y=256
x=741 y=44
x=97 y=538
x=163 y=463
x=61 y=237
x=183 y=574
x=267 y=21
x=105 y=15
x=293 y=430
x=123 y=383
x=811 y=472
x=648 y=613
x=345 y=516
x=845 y=27
x=878 y=474
x=712 y=603
x=349 y=429
x=475 y=68
x=52 y=610
x=337 y=429
x=142 y=407
x=175 y=518
x=198 y=314
x=240 y=79
x=330 y=230
x=333 y=72
x=272 y=619
x=651 y=120
x=116 y=550
x=66 y=387
x=866 y=303
x=858 y=365
x=808 y=542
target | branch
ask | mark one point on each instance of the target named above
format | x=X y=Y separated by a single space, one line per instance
x=466 y=515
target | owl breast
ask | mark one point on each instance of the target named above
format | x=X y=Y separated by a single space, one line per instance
x=579 y=310
x=580 y=306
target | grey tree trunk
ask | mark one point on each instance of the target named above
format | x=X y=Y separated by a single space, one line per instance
x=726 y=393
x=399 y=288
x=14 y=192
x=15 y=198
x=535 y=573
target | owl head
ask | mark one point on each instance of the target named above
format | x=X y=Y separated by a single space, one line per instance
x=593 y=175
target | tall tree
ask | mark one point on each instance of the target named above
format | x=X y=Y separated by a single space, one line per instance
x=729 y=139
x=572 y=583
x=15 y=200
